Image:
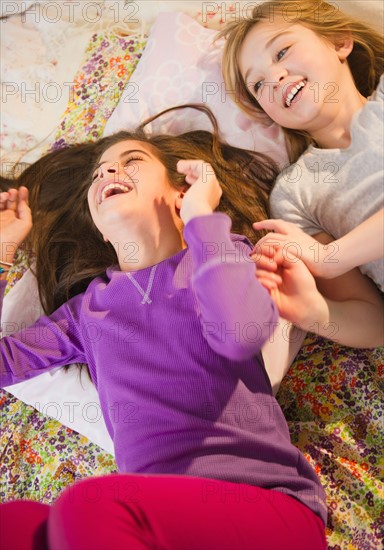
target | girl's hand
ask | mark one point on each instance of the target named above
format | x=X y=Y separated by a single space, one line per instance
x=291 y=286
x=292 y=240
x=204 y=193
x=15 y=221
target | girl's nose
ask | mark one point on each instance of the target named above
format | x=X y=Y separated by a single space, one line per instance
x=107 y=169
x=277 y=74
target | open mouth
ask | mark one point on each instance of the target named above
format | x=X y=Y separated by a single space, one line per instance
x=113 y=189
x=294 y=93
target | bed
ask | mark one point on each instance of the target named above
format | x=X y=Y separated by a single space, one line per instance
x=76 y=71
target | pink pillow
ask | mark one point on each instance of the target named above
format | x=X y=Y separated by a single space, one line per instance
x=181 y=65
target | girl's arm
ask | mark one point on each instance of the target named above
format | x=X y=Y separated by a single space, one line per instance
x=365 y=243
x=52 y=341
x=280 y=351
x=15 y=224
x=236 y=312
x=348 y=309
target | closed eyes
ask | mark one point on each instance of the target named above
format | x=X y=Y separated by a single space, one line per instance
x=132 y=159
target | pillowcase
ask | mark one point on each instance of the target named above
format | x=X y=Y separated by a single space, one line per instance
x=107 y=65
x=180 y=64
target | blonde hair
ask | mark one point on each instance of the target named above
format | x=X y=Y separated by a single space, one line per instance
x=366 y=61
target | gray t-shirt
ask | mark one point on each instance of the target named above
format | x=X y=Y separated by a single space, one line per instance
x=334 y=190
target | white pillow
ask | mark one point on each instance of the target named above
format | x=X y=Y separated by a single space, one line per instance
x=65 y=396
x=181 y=65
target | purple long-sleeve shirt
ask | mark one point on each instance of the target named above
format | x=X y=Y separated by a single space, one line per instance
x=174 y=351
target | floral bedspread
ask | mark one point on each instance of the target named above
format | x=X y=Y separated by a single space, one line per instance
x=39 y=456
x=110 y=61
x=332 y=397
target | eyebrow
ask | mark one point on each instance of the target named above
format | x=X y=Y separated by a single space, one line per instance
x=267 y=45
x=124 y=154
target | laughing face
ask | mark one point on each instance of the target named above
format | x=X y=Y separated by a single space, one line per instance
x=130 y=186
x=295 y=75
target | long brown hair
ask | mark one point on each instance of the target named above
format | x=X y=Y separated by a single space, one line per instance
x=366 y=61
x=70 y=251
x=60 y=221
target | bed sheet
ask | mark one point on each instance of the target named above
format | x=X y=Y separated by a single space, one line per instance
x=332 y=397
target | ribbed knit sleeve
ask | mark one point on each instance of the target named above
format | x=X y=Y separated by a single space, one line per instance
x=236 y=312
x=51 y=342
x=3 y=284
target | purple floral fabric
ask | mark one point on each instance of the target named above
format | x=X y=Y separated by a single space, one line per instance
x=332 y=397
x=109 y=63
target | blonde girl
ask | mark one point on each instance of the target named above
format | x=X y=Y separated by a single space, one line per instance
x=317 y=72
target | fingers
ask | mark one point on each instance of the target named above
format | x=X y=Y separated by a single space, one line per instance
x=23 y=193
x=3 y=200
x=194 y=170
x=270 y=258
x=274 y=240
x=280 y=226
x=273 y=278
x=190 y=169
x=7 y=200
x=10 y=199
x=16 y=201
x=265 y=262
x=278 y=246
x=266 y=256
x=266 y=283
x=265 y=247
x=23 y=210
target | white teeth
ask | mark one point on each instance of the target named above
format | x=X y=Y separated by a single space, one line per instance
x=111 y=186
x=293 y=92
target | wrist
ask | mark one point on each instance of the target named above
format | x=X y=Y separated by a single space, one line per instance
x=338 y=258
x=7 y=253
x=328 y=264
x=317 y=315
x=196 y=211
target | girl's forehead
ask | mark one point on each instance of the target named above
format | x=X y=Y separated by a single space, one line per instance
x=265 y=29
x=122 y=146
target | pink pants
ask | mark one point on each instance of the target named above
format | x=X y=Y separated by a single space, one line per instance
x=138 y=512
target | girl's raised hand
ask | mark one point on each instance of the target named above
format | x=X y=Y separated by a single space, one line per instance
x=291 y=286
x=15 y=221
x=294 y=241
x=204 y=193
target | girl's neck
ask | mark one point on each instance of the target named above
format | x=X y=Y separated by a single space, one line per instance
x=335 y=132
x=136 y=253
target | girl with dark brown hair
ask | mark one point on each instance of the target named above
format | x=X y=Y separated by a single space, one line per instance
x=68 y=250
x=171 y=326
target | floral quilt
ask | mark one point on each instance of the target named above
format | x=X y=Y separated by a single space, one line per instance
x=332 y=397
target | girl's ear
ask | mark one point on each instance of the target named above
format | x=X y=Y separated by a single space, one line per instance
x=343 y=46
x=179 y=200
